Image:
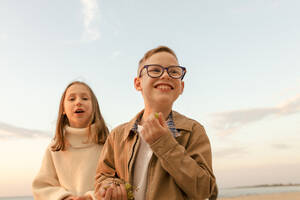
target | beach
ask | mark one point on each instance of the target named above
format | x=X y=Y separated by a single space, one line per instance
x=277 y=196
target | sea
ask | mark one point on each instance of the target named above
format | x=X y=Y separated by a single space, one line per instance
x=245 y=191
x=223 y=192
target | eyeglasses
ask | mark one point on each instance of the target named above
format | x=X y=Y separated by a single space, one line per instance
x=155 y=71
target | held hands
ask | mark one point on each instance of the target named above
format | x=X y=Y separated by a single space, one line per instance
x=86 y=197
x=154 y=127
x=113 y=192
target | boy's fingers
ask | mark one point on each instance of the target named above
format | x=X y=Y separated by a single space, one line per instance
x=114 y=194
x=124 y=192
x=161 y=120
x=119 y=193
x=102 y=192
x=103 y=189
x=108 y=193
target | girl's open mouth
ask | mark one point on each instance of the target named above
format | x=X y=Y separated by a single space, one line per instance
x=79 y=111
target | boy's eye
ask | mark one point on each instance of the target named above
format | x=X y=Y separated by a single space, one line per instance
x=154 y=69
x=173 y=71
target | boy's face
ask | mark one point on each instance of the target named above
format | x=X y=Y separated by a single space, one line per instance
x=161 y=91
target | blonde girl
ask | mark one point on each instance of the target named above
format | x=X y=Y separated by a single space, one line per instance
x=69 y=164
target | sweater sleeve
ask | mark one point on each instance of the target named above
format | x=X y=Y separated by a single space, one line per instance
x=46 y=185
x=105 y=172
x=91 y=194
x=190 y=166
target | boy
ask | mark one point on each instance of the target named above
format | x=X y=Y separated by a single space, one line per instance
x=162 y=153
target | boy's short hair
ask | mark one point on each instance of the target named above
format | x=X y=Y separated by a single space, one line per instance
x=151 y=52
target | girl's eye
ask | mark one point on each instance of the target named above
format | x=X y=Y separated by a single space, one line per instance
x=85 y=98
x=71 y=99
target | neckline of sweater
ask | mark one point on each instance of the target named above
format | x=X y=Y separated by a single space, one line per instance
x=78 y=137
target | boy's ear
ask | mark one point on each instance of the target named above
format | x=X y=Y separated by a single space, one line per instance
x=182 y=87
x=137 y=84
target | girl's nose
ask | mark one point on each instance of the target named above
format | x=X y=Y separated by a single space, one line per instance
x=78 y=103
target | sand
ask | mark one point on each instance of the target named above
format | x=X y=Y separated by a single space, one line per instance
x=278 y=196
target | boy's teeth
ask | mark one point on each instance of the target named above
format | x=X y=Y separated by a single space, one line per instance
x=164 y=87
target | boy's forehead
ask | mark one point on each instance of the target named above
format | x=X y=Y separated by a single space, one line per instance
x=163 y=58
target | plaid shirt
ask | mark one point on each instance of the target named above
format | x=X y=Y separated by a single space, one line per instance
x=170 y=123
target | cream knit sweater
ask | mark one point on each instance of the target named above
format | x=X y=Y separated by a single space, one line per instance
x=68 y=172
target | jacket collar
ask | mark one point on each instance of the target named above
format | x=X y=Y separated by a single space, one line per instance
x=182 y=122
x=128 y=128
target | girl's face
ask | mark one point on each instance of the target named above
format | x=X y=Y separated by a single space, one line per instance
x=78 y=105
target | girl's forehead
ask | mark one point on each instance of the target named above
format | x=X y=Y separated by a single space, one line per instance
x=77 y=89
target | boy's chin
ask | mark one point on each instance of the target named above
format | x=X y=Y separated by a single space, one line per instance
x=164 y=101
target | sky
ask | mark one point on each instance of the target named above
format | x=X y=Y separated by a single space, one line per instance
x=242 y=82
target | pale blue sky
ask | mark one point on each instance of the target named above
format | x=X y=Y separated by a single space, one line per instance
x=242 y=82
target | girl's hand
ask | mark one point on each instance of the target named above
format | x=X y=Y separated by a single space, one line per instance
x=86 y=197
x=69 y=198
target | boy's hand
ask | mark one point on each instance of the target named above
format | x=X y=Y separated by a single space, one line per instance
x=113 y=192
x=154 y=127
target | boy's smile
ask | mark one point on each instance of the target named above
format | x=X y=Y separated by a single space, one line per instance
x=164 y=86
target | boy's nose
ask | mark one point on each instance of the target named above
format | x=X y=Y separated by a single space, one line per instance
x=165 y=74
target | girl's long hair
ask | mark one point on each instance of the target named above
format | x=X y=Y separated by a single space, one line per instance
x=99 y=136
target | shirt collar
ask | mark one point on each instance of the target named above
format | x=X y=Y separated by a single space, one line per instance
x=170 y=123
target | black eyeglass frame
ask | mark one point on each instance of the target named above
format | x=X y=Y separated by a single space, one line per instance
x=164 y=68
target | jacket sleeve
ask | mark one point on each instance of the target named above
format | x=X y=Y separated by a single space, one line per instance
x=105 y=172
x=46 y=185
x=190 y=166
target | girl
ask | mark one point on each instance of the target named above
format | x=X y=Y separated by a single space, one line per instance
x=69 y=165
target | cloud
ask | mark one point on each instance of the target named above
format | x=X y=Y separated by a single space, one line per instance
x=228 y=122
x=281 y=146
x=8 y=131
x=3 y=37
x=255 y=6
x=91 y=20
x=229 y=152
x=291 y=106
x=115 y=54
x=291 y=90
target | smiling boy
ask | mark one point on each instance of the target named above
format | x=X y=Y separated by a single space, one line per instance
x=162 y=153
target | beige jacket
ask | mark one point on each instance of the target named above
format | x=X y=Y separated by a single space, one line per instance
x=180 y=168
